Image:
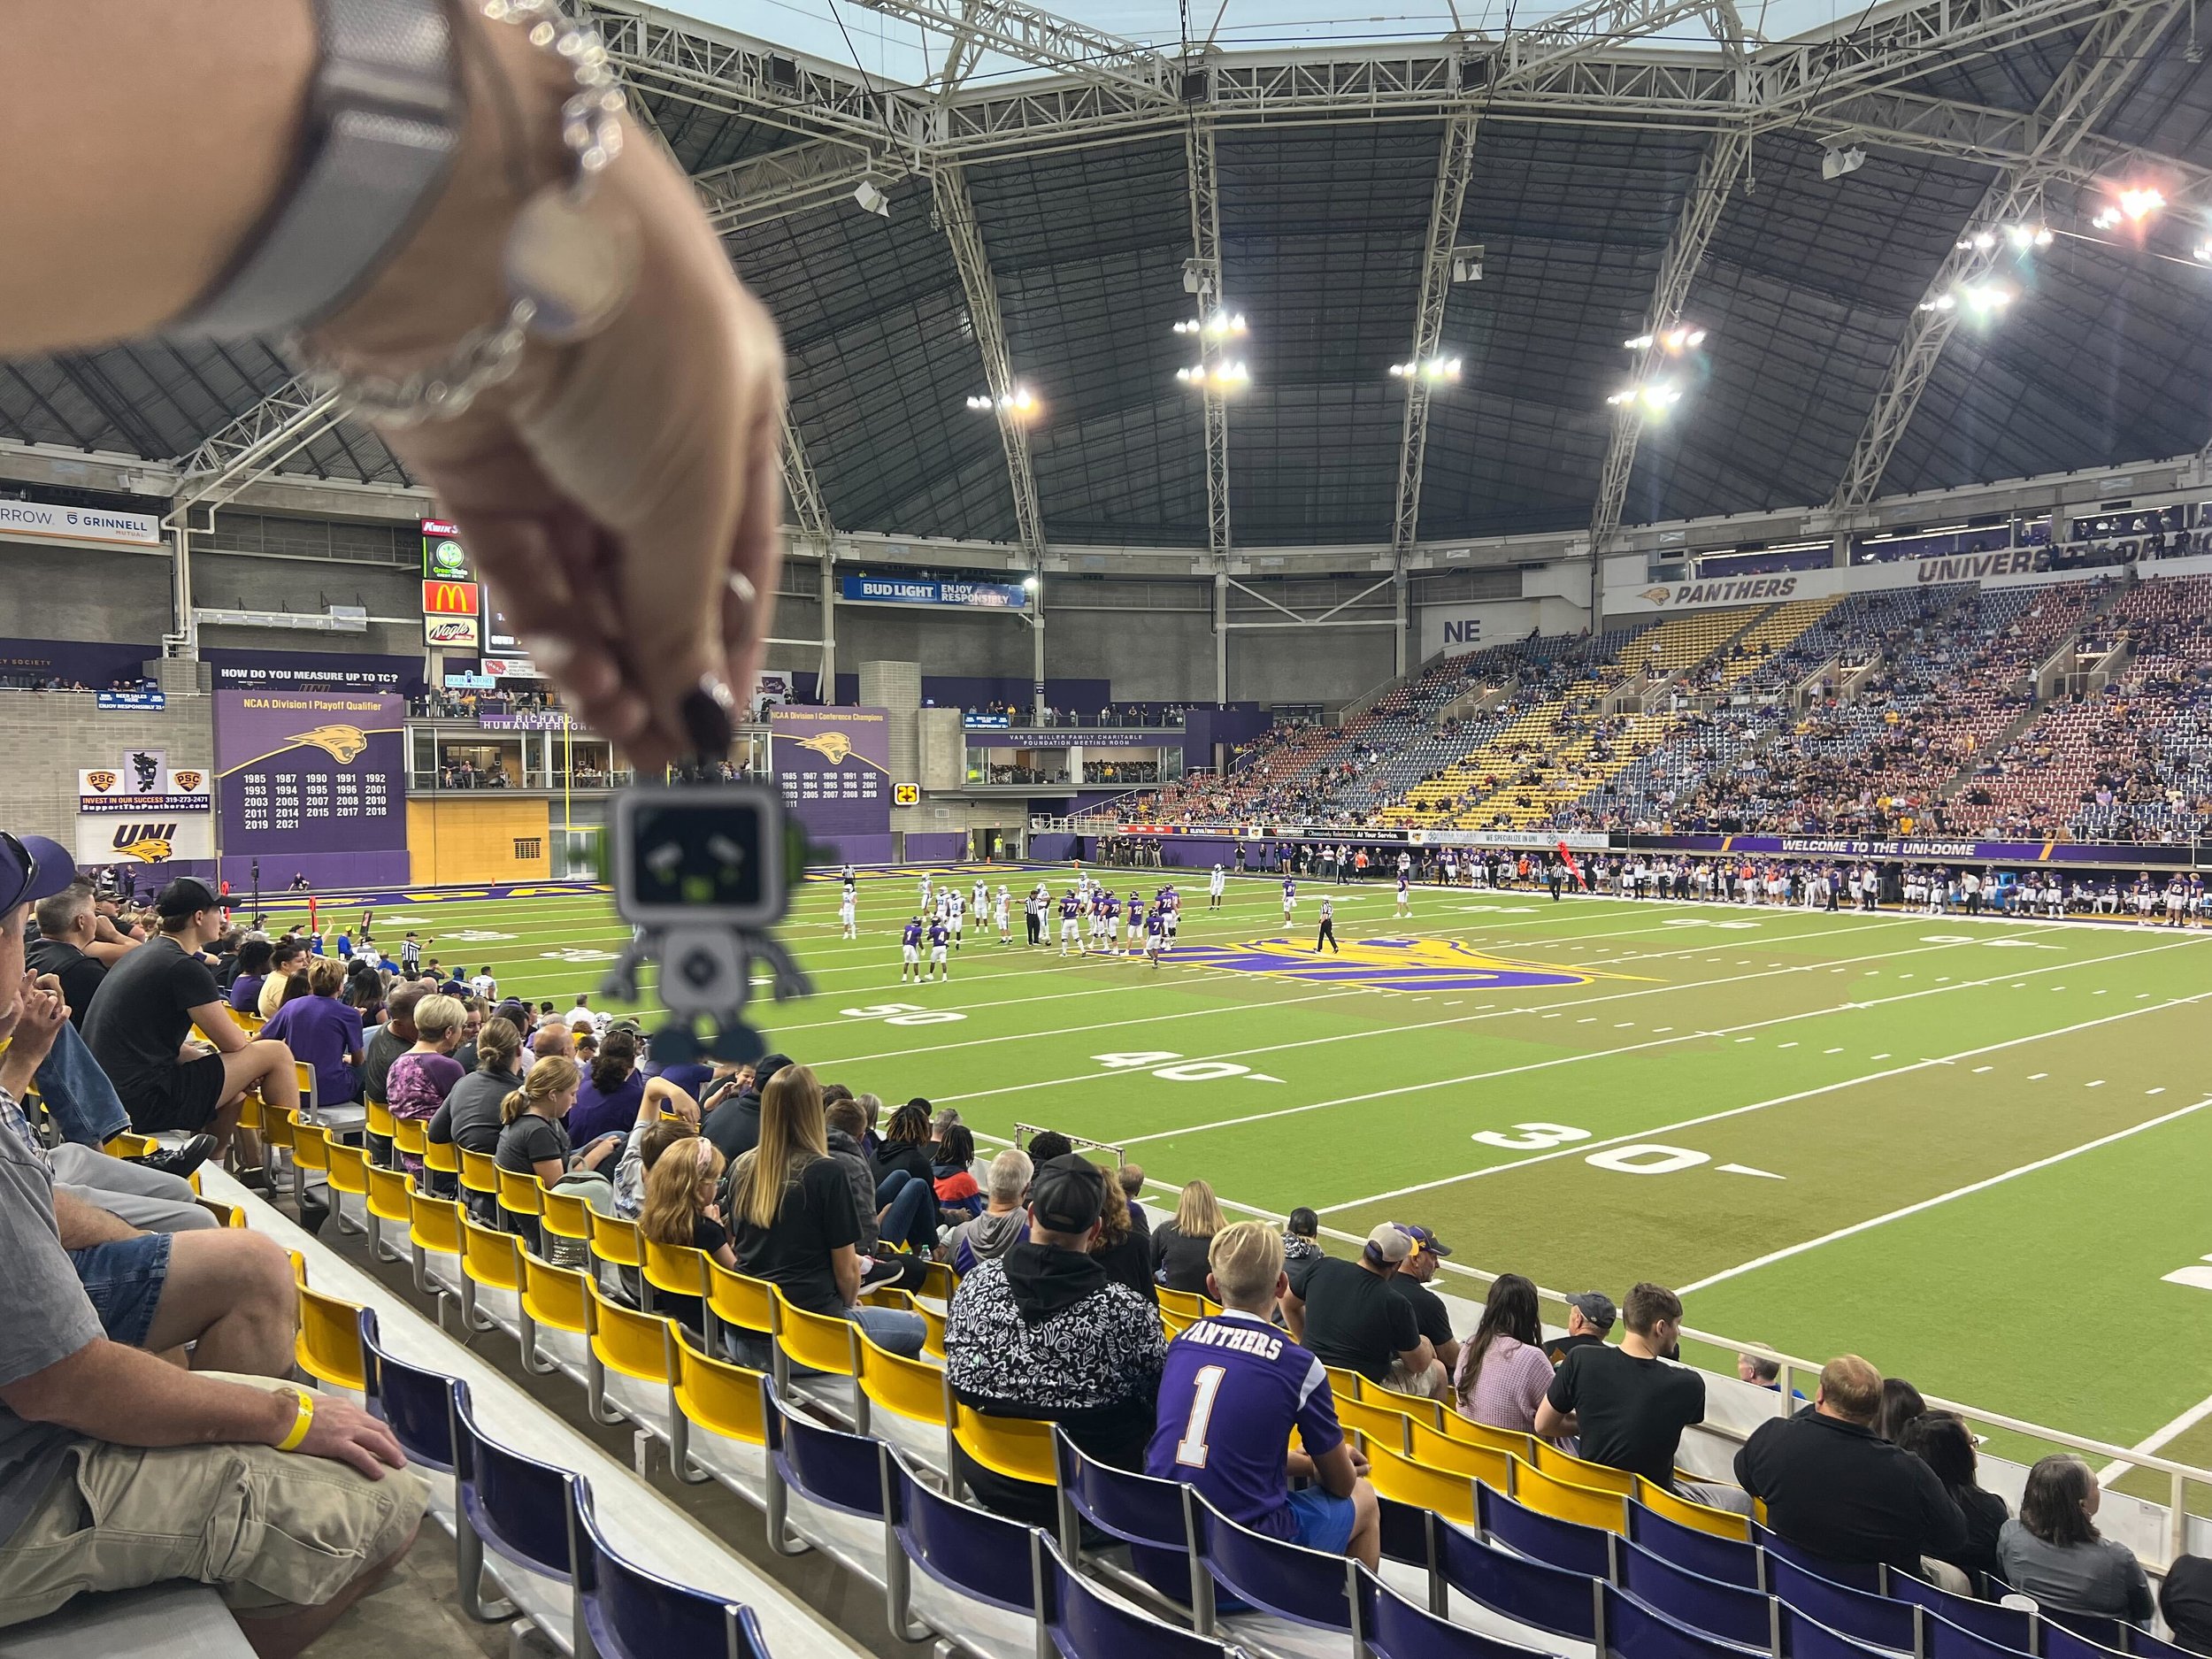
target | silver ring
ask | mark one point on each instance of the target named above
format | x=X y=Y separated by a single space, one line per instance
x=741 y=585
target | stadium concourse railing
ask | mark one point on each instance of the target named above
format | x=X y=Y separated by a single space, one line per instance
x=2159 y=857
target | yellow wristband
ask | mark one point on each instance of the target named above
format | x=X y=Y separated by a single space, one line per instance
x=301 y=1423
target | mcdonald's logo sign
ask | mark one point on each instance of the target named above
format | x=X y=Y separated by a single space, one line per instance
x=448 y=599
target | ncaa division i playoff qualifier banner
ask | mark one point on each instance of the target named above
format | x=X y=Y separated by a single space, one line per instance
x=834 y=768
x=312 y=783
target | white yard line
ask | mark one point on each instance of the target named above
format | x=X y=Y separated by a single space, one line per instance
x=1601 y=1054
x=2159 y=1438
x=1984 y=1185
x=1582 y=1147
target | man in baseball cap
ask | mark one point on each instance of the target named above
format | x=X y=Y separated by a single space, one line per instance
x=1042 y=1333
x=1349 y=1316
x=1590 y=1315
x=147 y=1008
x=1411 y=1282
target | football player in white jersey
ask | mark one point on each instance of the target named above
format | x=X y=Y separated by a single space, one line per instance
x=979 y=900
x=848 y=914
x=999 y=912
x=925 y=893
x=1216 y=884
x=956 y=915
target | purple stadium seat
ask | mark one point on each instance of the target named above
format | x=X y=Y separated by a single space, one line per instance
x=1727 y=1610
x=1852 y=1575
x=1633 y=1631
x=1392 y=1627
x=1080 y=1622
x=1879 y=1619
x=633 y=1614
x=2010 y=1627
x=416 y=1405
x=1799 y=1637
x=1527 y=1592
x=1556 y=1543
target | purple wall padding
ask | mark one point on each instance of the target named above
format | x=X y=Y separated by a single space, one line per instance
x=1052 y=849
x=851 y=850
x=327 y=873
x=937 y=846
x=1202 y=728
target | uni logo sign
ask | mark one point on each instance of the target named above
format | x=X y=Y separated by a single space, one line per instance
x=148 y=843
x=445 y=598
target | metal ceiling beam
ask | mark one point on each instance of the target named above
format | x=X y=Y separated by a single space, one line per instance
x=788 y=180
x=1203 y=278
x=956 y=211
x=1455 y=164
x=1031 y=34
x=1587 y=30
x=803 y=490
x=1790 y=83
x=1722 y=164
x=2100 y=70
x=293 y=414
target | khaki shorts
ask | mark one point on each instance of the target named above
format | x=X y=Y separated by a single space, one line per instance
x=269 y=1528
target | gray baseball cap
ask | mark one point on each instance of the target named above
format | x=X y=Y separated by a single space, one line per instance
x=1596 y=1307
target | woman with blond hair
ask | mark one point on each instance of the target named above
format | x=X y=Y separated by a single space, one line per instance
x=680 y=1209
x=1179 y=1247
x=533 y=1135
x=793 y=1221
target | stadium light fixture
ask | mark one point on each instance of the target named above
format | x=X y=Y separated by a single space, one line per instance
x=1433 y=370
x=1675 y=341
x=2202 y=253
x=1020 y=400
x=869 y=196
x=1652 y=399
x=1220 y=377
x=1219 y=324
x=1844 y=158
x=2131 y=206
x=1980 y=300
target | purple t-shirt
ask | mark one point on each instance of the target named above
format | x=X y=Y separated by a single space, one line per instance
x=321 y=1031
x=596 y=1114
x=1234 y=1388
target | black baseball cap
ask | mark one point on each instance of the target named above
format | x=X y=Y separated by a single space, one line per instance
x=185 y=896
x=1067 y=1194
x=1596 y=1307
x=32 y=868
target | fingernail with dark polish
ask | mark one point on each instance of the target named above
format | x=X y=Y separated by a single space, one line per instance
x=706 y=714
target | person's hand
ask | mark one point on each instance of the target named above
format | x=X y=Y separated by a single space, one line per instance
x=39 y=1014
x=712 y=1211
x=597 y=1153
x=344 y=1434
x=1359 y=1459
x=621 y=493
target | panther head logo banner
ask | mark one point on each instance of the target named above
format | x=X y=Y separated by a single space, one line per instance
x=1387 y=965
x=1657 y=595
x=831 y=746
x=148 y=843
x=342 y=743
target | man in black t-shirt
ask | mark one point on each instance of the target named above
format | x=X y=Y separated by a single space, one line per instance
x=1629 y=1406
x=1346 y=1313
x=1411 y=1282
x=66 y=927
x=146 y=1010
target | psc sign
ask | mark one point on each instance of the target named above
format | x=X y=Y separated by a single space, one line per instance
x=448 y=599
x=906 y=794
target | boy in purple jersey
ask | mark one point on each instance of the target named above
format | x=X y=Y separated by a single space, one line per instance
x=1110 y=913
x=1156 y=934
x=1235 y=1387
x=1290 y=898
x=938 y=934
x=910 y=950
x=1071 y=910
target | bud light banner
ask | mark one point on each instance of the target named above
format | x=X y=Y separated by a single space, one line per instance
x=928 y=591
x=312 y=783
x=833 y=766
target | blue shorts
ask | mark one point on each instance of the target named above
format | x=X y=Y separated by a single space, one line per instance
x=1323 y=1522
x=124 y=1279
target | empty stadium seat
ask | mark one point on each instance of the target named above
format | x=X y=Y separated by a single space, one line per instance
x=633 y=1614
x=1078 y=1621
x=962 y=1572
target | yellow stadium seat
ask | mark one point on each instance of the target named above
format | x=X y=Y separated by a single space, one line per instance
x=1174 y=1324
x=1346 y=1385
x=1719 y=1523
x=820 y=1341
x=439 y=1157
x=433 y=1230
x=491 y=1261
x=390 y=1198
x=1581 y=1473
x=130 y=1146
x=553 y=1299
x=479 y=1172
x=1018 y=1449
x=632 y=1347
x=227 y=1215
x=1421 y=1411
x=411 y=1138
x=617 y=1240
x=328 y=1348
x=298 y=1259
x=718 y=1409
x=1463 y=1458
x=1473 y=1434
x=1395 y=1475
x=934 y=1339
x=909 y=1388
x=750 y=1305
x=1585 y=1506
x=521 y=1195
x=310 y=1155
x=1380 y=1423
x=380 y=1120
x=568 y=1218
x=1188 y=1303
x=939 y=1281
x=348 y=1179
x=671 y=1270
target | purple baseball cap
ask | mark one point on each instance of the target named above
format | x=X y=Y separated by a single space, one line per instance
x=32 y=868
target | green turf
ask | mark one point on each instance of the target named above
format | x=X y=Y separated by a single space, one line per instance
x=1863 y=1063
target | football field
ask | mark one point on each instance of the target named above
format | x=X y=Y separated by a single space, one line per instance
x=1974 y=1150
